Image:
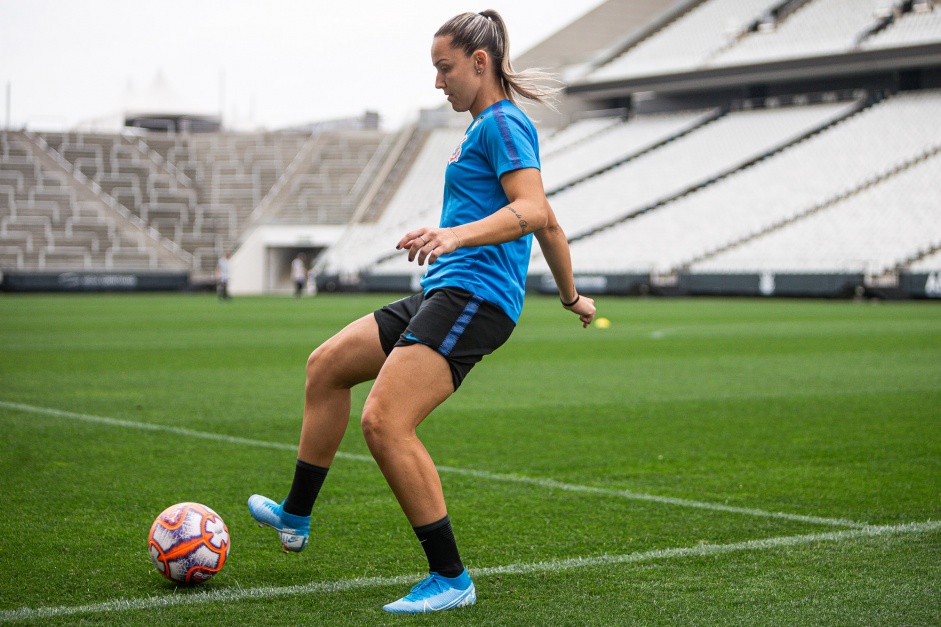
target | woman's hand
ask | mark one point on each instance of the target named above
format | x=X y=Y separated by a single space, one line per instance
x=429 y=244
x=585 y=308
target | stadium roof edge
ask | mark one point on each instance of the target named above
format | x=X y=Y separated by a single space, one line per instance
x=602 y=33
x=664 y=18
x=830 y=66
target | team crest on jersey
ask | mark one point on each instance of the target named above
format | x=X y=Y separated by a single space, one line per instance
x=457 y=151
x=460 y=147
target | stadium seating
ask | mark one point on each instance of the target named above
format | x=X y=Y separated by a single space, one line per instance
x=687 y=43
x=616 y=143
x=417 y=201
x=722 y=33
x=912 y=28
x=843 y=159
x=821 y=27
x=196 y=191
x=691 y=160
x=575 y=132
x=873 y=231
x=928 y=263
x=324 y=194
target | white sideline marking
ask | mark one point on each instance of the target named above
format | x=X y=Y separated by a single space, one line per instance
x=481 y=474
x=114 y=422
x=639 y=496
x=554 y=566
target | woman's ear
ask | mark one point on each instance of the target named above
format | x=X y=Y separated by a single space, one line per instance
x=480 y=61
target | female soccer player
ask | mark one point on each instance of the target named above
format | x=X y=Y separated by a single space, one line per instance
x=478 y=256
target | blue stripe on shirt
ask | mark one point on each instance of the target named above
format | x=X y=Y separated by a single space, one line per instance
x=500 y=117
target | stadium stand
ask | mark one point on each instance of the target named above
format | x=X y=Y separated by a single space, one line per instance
x=417 y=200
x=576 y=132
x=818 y=28
x=326 y=192
x=615 y=143
x=684 y=161
x=928 y=263
x=706 y=138
x=873 y=231
x=689 y=41
x=190 y=193
x=918 y=26
x=861 y=150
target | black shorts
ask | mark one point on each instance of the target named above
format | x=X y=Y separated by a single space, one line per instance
x=461 y=326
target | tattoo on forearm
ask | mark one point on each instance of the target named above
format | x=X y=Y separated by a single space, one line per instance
x=523 y=223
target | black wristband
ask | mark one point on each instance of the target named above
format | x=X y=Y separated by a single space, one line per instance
x=565 y=304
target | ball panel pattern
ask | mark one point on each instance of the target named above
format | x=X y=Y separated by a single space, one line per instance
x=188 y=543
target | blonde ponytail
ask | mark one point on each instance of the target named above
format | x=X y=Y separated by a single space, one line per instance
x=487 y=31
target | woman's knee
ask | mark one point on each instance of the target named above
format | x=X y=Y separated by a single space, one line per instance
x=317 y=365
x=348 y=358
x=327 y=367
x=371 y=423
x=378 y=429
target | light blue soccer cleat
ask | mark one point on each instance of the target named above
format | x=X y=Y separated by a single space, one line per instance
x=292 y=530
x=436 y=593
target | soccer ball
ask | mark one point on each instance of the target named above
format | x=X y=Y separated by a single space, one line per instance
x=188 y=543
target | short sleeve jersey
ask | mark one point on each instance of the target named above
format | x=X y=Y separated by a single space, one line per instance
x=499 y=140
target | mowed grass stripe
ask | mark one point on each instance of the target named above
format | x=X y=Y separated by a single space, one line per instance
x=480 y=474
x=554 y=566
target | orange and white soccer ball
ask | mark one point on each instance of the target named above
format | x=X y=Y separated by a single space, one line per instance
x=188 y=543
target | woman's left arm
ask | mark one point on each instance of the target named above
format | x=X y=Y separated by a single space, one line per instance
x=555 y=249
x=526 y=212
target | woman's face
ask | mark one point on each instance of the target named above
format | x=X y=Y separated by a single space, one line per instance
x=456 y=74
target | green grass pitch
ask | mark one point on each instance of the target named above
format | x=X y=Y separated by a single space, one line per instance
x=700 y=462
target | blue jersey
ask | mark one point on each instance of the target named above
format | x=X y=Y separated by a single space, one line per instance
x=501 y=139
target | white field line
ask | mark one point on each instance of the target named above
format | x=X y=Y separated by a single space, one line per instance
x=639 y=496
x=480 y=474
x=235 y=594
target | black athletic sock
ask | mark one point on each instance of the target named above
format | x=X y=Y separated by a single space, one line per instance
x=438 y=541
x=307 y=482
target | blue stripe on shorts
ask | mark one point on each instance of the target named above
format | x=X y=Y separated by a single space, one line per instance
x=458 y=329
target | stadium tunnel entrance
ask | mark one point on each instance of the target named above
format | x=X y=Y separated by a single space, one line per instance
x=278 y=266
x=262 y=263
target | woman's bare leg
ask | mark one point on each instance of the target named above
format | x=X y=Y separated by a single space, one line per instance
x=412 y=383
x=350 y=357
